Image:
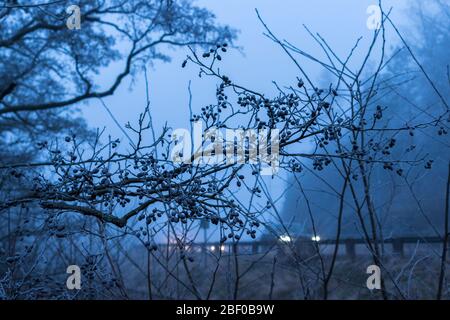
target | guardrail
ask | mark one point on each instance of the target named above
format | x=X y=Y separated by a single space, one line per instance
x=261 y=246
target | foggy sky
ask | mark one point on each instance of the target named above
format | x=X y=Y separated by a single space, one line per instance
x=256 y=63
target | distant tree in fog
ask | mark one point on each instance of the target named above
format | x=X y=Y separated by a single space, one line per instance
x=44 y=66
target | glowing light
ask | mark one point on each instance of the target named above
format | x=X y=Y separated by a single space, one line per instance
x=222 y=248
x=315 y=238
x=285 y=238
x=212 y=248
